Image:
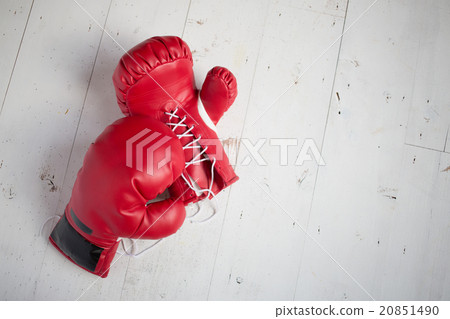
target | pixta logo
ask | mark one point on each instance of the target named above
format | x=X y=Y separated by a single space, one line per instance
x=143 y=149
x=271 y=151
x=284 y=146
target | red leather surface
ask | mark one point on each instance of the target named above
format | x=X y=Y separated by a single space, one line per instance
x=110 y=198
x=155 y=77
x=218 y=92
x=141 y=60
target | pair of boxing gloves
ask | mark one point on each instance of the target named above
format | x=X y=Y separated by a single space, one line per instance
x=167 y=141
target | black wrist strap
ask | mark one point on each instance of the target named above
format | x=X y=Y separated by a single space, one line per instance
x=75 y=246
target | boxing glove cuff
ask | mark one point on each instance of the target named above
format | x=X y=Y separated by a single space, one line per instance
x=79 y=250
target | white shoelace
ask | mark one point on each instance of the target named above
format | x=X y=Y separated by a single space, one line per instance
x=195 y=160
x=125 y=251
x=133 y=246
x=46 y=221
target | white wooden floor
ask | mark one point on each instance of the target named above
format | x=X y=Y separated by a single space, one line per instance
x=374 y=222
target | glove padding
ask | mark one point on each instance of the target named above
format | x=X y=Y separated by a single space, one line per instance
x=131 y=162
x=155 y=78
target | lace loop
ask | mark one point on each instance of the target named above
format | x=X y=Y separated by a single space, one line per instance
x=133 y=246
x=196 y=159
x=194 y=144
x=46 y=221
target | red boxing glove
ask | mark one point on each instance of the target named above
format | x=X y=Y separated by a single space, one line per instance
x=155 y=78
x=131 y=162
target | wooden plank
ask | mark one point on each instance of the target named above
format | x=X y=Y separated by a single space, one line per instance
x=354 y=197
x=181 y=267
x=429 y=118
x=12 y=26
x=373 y=196
x=128 y=24
x=419 y=236
x=260 y=247
x=37 y=127
x=439 y=235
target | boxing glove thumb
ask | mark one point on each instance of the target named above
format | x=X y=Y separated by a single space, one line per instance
x=218 y=92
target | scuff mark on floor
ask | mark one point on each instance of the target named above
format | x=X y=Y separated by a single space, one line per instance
x=355 y=63
x=388 y=192
x=303 y=177
x=47 y=176
x=231 y=143
x=9 y=192
x=12 y=194
x=387 y=96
